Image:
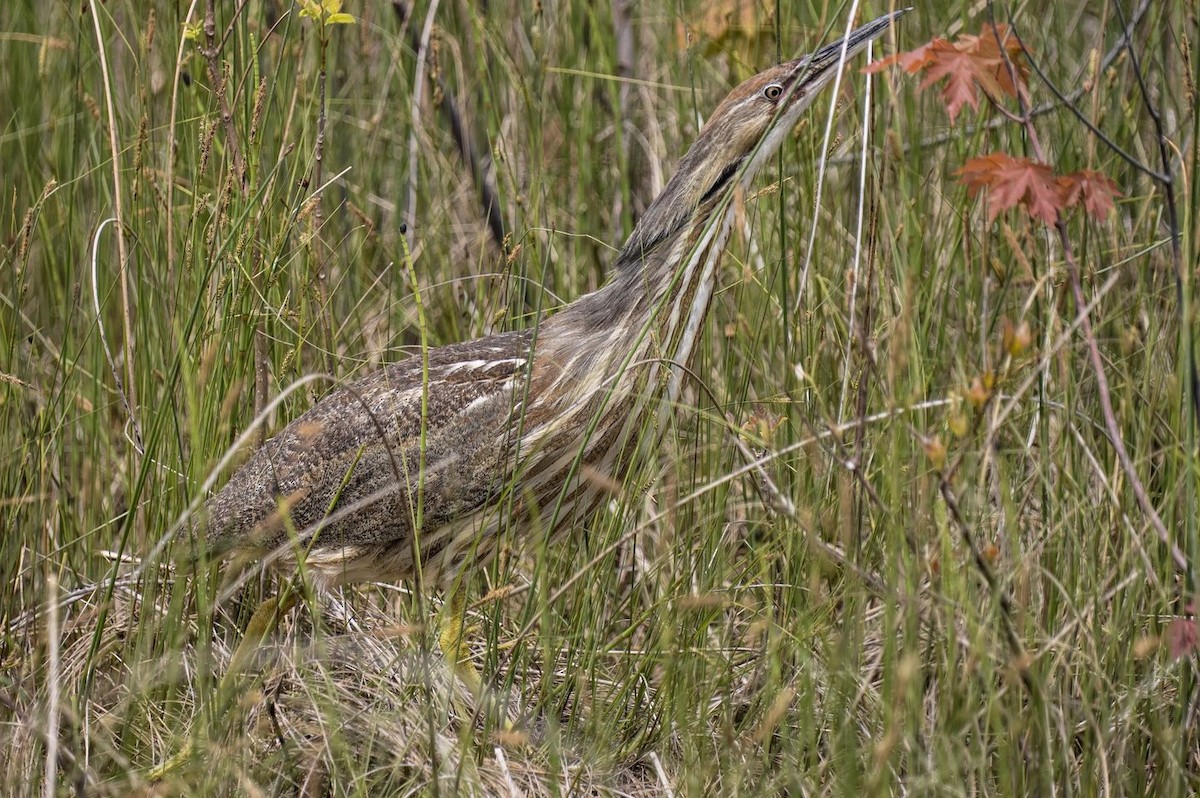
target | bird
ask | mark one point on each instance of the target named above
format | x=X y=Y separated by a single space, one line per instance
x=416 y=471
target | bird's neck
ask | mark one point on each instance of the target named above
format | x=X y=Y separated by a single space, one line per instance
x=647 y=320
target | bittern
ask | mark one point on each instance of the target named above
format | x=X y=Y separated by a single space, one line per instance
x=418 y=468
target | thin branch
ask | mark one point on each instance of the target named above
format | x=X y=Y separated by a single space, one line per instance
x=1167 y=180
x=1021 y=660
x=1102 y=389
x=1100 y=135
x=1038 y=110
x=1089 y=335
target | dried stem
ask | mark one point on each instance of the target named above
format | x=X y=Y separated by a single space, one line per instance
x=129 y=392
x=319 y=149
x=216 y=74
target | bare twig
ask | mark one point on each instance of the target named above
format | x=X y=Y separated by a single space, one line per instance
x=1041 y=109
x=1021 y=660
x=1102 y=390
x=1069 y=104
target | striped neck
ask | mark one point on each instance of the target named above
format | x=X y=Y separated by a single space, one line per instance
x=649 y=317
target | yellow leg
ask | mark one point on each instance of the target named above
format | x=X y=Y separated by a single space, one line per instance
x=262 y=623
x=452 y=634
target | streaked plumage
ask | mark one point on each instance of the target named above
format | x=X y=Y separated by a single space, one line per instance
x=516 y=424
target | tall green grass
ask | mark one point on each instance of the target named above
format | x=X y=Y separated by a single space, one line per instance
x=690 y=638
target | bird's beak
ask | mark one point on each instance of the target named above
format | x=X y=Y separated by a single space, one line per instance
x=814 y=70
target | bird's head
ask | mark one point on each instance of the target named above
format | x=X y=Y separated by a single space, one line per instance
x=742 y=134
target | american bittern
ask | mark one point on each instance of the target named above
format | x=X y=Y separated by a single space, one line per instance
x=417 y=468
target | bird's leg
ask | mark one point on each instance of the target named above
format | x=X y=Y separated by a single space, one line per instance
x=264 y=620
x=452 y=634
x=452 y=638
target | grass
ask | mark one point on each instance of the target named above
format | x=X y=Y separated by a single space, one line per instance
x=690 y=639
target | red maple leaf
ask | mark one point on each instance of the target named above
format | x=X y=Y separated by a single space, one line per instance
x=1094 y=189
x=970 y=64
x=994 y=67
x=1011 y=182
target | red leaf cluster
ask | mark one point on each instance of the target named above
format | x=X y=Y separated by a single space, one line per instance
x=1013 y=182
x=969 y=64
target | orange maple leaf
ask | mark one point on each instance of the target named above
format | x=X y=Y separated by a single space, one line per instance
x=1012 y=182
x=991 y=63
x=970 y=64
x=911 y=61
x=959 y=70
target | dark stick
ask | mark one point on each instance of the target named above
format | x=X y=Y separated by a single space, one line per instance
x=1167 y=180
x=466 y=147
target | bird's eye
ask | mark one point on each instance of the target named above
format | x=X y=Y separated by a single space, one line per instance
x=773 y=91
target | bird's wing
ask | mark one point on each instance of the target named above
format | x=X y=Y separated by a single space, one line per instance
x=354 y=461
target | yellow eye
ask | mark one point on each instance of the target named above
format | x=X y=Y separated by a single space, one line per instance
x=773 y=91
